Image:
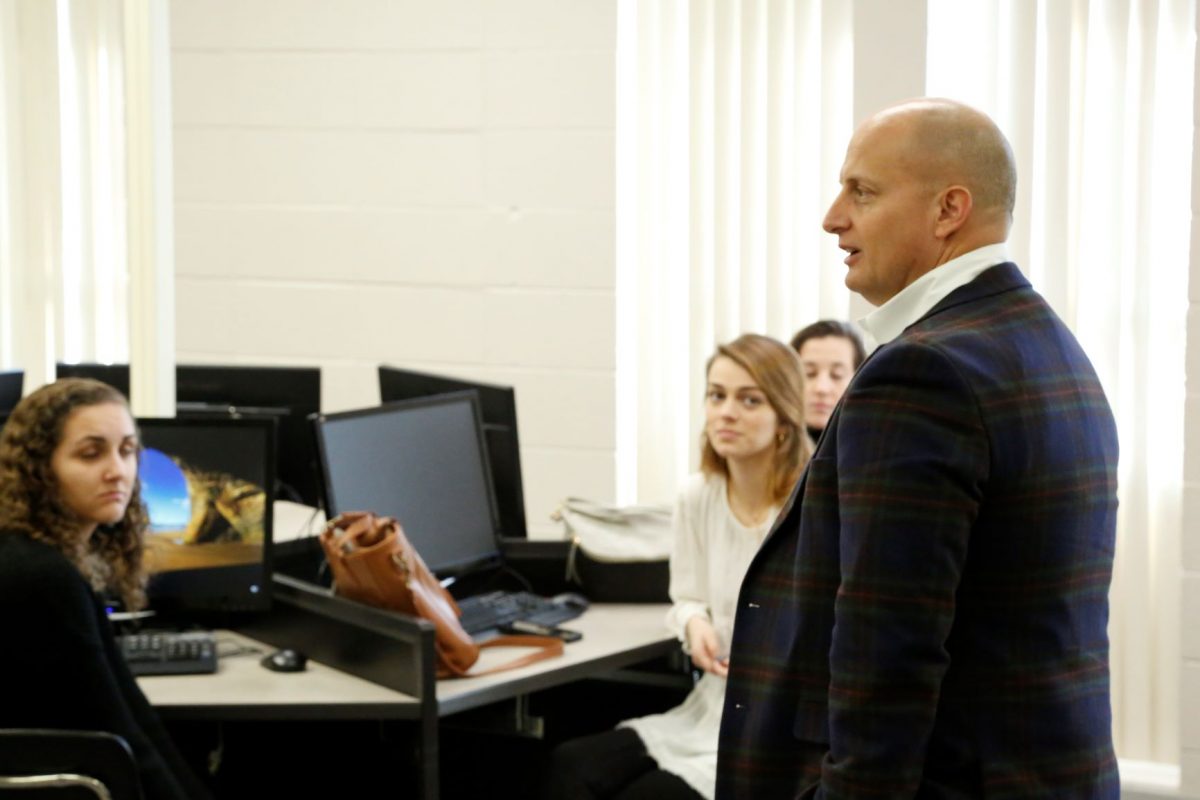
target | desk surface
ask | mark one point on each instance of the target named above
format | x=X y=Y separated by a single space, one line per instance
x=243 y=688
x=614 y=636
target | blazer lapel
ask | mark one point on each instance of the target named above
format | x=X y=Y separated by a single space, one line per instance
x=992 y=281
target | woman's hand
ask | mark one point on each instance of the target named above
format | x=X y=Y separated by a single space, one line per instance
x=706 y=647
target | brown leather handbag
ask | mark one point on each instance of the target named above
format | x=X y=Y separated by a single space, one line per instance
x=374 y=563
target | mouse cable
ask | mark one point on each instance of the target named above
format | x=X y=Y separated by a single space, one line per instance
x=520 y=578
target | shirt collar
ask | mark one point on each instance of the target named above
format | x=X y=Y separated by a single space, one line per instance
x=919 y=297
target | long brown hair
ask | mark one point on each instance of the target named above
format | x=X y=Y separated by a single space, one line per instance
x=775 y=367
x=31 y=503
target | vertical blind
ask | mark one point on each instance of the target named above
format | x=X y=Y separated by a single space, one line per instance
x=1100 y=114
x=733 y=117
x=732 y=123
x=63 y=201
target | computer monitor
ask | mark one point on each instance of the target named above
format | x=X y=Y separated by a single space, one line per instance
x=499 y=408
x=115 y=375
x=207 y=487
x=422 y=462
x=288 y=394
x=11 y=384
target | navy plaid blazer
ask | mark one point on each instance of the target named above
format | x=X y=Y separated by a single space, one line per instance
x=928 y=616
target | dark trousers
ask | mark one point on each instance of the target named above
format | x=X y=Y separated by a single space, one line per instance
x=613 y=765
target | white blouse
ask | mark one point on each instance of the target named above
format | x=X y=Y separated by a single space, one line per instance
x=711 y=554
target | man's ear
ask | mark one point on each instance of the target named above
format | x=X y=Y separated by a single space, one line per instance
x=954 y=209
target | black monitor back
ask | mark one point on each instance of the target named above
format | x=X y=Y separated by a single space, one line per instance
x=499 y=408
x=423 y=462
x=290 y=394
x=12 y=382
x=207 y=487
x=115 y=375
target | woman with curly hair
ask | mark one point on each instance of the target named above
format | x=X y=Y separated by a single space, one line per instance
x=72 y=524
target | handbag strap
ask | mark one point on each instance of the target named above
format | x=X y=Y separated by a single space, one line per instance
x=546 y=647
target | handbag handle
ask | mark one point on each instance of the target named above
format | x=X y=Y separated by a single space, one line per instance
x=547 y=647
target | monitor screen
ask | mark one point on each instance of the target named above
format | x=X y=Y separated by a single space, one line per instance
x=288 y=394
x=11 y=384
x=422 y=462
x=207 y=485
x=498 y=406
x=115 y=375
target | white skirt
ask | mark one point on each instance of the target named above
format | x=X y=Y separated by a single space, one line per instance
x=684 y=740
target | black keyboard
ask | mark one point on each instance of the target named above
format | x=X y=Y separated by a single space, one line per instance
x=483 y=612
x=169 y=652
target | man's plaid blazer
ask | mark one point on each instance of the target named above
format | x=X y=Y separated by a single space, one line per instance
x=927 y=617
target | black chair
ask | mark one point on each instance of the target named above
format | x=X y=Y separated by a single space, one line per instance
x=40 y=764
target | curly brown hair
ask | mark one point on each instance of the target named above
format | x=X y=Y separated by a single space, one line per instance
x=775 y=367
x=30 y=501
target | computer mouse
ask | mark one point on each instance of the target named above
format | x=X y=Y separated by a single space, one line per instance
x=285 y=660
x=571 y=600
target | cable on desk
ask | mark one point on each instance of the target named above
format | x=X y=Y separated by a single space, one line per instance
x=228 y=647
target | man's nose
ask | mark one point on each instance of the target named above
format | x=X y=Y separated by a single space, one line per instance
x=835 y=218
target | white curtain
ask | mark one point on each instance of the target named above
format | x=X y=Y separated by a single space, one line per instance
x=63 y=176
x=733 y=116
x=1100 y=114
x=732 y=123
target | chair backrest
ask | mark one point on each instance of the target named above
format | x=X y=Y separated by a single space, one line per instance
x=38 y=764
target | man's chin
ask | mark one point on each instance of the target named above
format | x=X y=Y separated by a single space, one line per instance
x=865 y=292
x=854 y=285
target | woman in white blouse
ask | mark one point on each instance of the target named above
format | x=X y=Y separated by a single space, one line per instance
x=753 y=449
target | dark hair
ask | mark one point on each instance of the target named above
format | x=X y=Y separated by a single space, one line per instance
x=30 y=501
x=832 y=327
x=776 y=371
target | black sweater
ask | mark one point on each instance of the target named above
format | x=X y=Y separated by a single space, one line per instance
x=61 y=667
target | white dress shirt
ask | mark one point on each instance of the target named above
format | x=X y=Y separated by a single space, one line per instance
x=919 y=297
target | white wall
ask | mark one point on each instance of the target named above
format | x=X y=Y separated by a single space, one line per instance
x=1190 y=646
x=424 y=184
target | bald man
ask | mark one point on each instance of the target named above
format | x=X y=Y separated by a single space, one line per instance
x=928 y=616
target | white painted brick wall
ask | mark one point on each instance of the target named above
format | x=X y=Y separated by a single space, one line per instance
x=428 y=185
x=1190 y=723
x=417 y=91
x=1190 y=689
